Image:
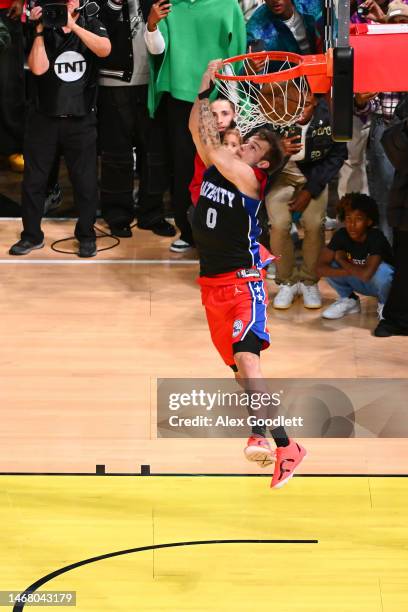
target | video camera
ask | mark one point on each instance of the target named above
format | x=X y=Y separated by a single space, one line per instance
x=55 y=13
x=363 y=11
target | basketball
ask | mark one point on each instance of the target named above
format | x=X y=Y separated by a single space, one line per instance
x=282 y=103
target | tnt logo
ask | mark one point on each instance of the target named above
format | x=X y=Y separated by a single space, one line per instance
x=70 y=66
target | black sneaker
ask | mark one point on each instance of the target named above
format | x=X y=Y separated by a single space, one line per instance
x=161 y=228
x=386 y=330
x=121 y=231
x=22 y=247
x=87 y=248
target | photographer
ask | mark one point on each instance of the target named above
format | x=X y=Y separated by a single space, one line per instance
x=64 y=62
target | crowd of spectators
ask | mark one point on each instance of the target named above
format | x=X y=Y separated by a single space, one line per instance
x=119 y=80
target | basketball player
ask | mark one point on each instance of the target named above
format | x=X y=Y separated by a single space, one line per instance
x=232 y=262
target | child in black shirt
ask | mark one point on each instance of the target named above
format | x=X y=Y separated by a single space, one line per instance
x=358 y=259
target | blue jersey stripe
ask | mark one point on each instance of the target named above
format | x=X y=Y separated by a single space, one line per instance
x=252 y=207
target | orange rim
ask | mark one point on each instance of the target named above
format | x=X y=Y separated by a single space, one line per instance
x=306 y=65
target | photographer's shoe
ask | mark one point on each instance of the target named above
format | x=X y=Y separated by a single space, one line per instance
x=87 y=248
x=22 y=247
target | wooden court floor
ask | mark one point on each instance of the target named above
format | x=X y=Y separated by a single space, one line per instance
x=83 y=343
x=322 y=544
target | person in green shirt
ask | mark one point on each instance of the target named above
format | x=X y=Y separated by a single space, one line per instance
x=194 y=32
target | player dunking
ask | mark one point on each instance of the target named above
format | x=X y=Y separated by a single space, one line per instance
x=232 y=262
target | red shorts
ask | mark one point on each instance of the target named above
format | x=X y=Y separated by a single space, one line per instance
x=234 y=306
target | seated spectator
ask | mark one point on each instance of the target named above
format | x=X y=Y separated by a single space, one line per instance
x=301 y=190
x=224 y=112
x=358 y=258
x=395 y=142
x=175 y=80
x=283 y=27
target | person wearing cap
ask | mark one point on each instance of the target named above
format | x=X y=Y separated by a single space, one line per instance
x=64 y=66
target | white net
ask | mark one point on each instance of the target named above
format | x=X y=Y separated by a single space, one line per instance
x=278 y=103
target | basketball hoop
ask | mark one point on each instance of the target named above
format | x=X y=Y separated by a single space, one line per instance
x=277 y=94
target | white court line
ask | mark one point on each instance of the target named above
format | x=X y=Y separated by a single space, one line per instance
x=81 y=262
x=43 y=219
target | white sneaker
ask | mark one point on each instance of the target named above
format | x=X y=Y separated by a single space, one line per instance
x=341 y=308
x=311 y=295
x=380 y=309
x=284 y=298
x=180 y=246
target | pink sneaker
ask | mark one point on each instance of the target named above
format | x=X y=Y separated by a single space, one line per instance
x=287 y=460
x=258 y=450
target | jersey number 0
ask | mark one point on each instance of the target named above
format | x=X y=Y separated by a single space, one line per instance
x=211 y=218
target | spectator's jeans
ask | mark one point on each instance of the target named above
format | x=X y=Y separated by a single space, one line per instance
x=380 y=172
x=353 y=173
x=378 y=286
x=284 y=189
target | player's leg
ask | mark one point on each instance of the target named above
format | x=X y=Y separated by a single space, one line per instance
x=247 y=347
x=249 y=376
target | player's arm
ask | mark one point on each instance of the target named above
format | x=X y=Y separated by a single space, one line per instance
x=208 y=142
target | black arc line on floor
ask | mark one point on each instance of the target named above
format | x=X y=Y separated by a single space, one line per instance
x=63 y=570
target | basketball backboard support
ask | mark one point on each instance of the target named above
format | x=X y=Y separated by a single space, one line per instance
x=337 y=37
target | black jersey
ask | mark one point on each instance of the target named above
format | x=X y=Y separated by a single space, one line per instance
x=225 y=225
x=69 y=86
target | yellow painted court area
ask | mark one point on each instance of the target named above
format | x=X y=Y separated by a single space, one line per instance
x=360 y=563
